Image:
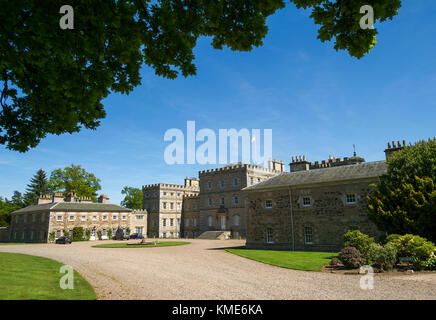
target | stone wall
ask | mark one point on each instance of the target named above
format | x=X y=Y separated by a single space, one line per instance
x=327 y=217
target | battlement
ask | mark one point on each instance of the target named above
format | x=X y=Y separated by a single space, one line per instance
x=238 y=166
x=139 y=211
x=190 y=196
x=299 y=163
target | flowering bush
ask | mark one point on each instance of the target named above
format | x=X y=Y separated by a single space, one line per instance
x=382 y=257
x=334 y=262
x=430 y=264
x=358 y=240
x=410 y=245
x=351 y=257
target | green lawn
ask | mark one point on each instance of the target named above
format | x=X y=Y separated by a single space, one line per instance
x=26 y=277
x=125 y=245
x=298 y=260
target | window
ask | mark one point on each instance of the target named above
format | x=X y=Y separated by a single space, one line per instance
x=209 y=201
x=186 y=222
x=209 y=221
x=251 y=180
x=172 y=222
x=24 y=218
x=139 y=217
x=236 y=221
x=172 y=194
x=269 y=235
x=178 y=194
x=171 y=205
x=308 y=233
x=58 y=233
x=194 y=222
x=351 y=198
x=222 y=184
x=235 y=200
x=104 y=218
x=258 y=180
x=193 y=206
x=268 y=204
x=71 y=218
x=94 y=218
x=164 y=205
x=147 y=195
x=124 y=217
x=103 y=232
x=114 y=217
x=33 y=217
x=235 y=182
x=178 y=222
x=59 y=218
x=83 y=218
x=164 y=222
x=164 y=235
x=222 y=201
x=209 y=185
x=164 y=193
x=307 y=201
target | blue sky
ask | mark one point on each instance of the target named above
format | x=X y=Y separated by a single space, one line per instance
x=317 y=101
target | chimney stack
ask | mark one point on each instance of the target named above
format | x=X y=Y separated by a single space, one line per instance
x=394 y=148
x=58 y=197
x=103 y=199
x=44 y=198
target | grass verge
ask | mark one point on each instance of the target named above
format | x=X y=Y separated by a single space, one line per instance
x=297 y=260
x=26 y=277
x=125 y=245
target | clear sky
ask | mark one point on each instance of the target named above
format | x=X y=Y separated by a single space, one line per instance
x=318 y=102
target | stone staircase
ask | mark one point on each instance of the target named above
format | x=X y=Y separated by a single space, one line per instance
x=215 y=235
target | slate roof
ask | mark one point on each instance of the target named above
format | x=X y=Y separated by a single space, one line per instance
x=340 y=173
x=73 y=207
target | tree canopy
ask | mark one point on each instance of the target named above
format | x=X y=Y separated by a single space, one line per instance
x=52 y=80
x=405 y=199
x=132 y=198
x=74 y=179
x=38 y=185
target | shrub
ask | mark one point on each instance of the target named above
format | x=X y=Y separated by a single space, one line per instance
x=88 y=234
x=109 y=234
x=127 y=231
x=430 y=264
x=351 y=257
x=51 y=236
x=78 y=234
x=99 y=234
x=392 y=237
x=382 y=257
x=334 y=262
x=417 y=247
x=358 y=240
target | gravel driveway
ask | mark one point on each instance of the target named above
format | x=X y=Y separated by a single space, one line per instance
x=202 y=270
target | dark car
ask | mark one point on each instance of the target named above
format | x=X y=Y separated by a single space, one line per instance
x=135 y=236
x=63 y=240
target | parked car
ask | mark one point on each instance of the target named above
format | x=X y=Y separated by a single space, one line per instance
x=136 y=236
x=63 y=240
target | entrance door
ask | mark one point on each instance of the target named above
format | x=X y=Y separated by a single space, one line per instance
x=223 y=223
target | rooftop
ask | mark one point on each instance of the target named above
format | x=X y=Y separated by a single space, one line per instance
x=74 y=207
x=331 y=174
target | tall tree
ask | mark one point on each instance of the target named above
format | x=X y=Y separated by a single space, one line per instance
x=405 y=199
x=52 y=80
x=17 y=199
x=38 y=185
x=74 y=179
x=132 y=199
x=6 y=207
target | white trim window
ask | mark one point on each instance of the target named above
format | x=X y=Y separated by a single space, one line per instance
x=104 y=218
x=268 y=204
x=94 y=218
x=124 y=217
x=209 y=221
x=235 y=200
x=114 y=217
x=58 y=233
x=171 y=222
x=236 y=220
x=269 y=235
x=350 y=198
x=307 y=202
x=83 y=218
x=164 y=205
x=308 y=235
x=235 y=182
x=71 y=217
x=59 y=217
x=172 y=205
x=139 y=217
x=194 y=222
x=164 y=222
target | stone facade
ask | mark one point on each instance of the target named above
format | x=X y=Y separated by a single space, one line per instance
x=54 y=215
x=222 y=204
x=190 y=227
x=310 y=210
x=164 y=202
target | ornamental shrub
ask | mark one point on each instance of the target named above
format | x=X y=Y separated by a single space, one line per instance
x=99 y=234
x=78 y=234
x=88 y=234
x=382 y=257
x=430 y=264
x=334 y=262
x=417 y=247
x=351 y=258
x=358 y=240
x=109 y=234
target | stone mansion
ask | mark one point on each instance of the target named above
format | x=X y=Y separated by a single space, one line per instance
x=308 y=208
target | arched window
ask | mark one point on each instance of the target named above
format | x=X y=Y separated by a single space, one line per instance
x=209 y=221
x=236 y=220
